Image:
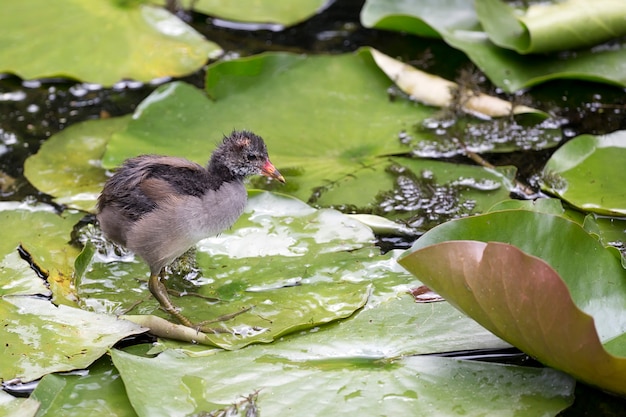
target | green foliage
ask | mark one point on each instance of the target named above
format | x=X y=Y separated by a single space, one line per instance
x=478 y=32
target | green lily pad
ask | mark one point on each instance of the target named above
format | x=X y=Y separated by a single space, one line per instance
x=40 y=338
x=575 y=291
x=134 y=40
x=456 y=21
x=17 y=407
x=79 y=180
x=99 y=391
x=278 y=378
x=287 y=12
x=588 y=172
x=43 y=235
x=555 y=26
x=512 y=72
x=610 y=230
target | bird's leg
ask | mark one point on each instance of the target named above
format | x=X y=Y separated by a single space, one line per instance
x=159 y=291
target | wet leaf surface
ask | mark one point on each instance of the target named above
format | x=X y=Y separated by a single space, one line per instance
x=39 y=337
x=17 y=407
x=99 y=391
x=287 y=379
x=588 y=172
x=284 y=265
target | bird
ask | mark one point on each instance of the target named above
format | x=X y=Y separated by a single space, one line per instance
x=159 y=206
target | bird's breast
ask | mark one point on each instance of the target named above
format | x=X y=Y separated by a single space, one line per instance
x=218 y=209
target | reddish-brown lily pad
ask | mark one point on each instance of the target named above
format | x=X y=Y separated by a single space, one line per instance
x=558 y=295
x=521 y=299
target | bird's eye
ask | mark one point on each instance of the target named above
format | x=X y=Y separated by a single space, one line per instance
x=252 y=157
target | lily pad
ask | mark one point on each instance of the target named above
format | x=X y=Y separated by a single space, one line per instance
x=42 y=235
x=575 y=291
x=78 y=182
x=279 y=378
x=456 y=21
x=285 y=13
x=340 y=152
x=332 y=143
x=610 y=230
x=99 y=391
x=588 y=172
x=40 y=338
x=17 y=407
x=552 y=26
x=134 y=40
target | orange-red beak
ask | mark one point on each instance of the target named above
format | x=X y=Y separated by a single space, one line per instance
x=269 y=170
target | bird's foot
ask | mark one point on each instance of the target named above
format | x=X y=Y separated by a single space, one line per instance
x=203 y=325
x=159 y=291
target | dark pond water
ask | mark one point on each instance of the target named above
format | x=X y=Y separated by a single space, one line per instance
x=32 y=111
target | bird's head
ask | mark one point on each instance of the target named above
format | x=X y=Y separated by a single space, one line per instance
x=243 y=153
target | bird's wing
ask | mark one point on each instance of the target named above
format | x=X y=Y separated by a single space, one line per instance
x=174 y=176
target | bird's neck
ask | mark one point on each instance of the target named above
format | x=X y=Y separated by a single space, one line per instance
x=220 y=173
